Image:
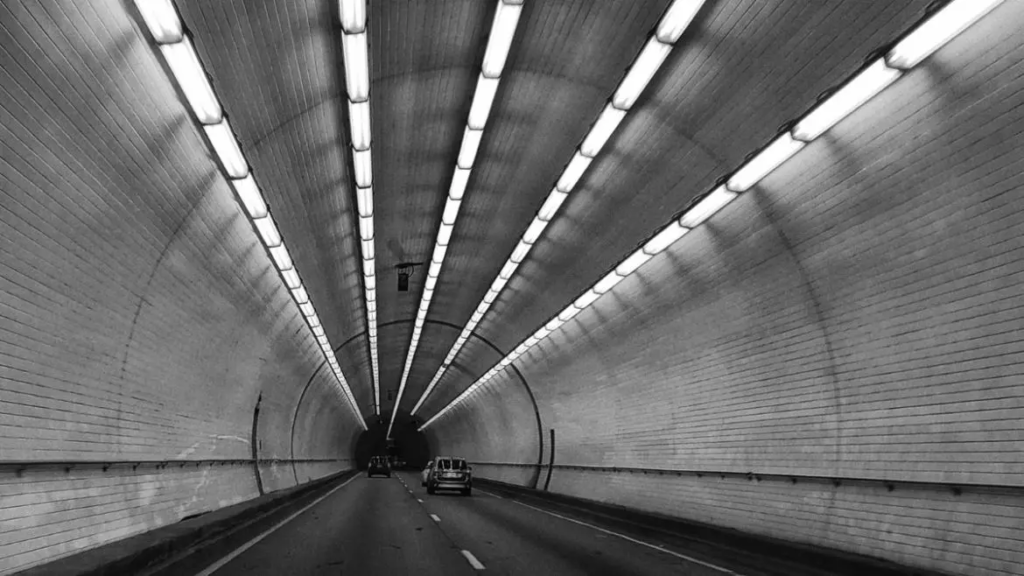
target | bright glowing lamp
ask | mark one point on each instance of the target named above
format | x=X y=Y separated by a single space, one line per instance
x=483 y=98
x=602 y=130
x=781 y=149
x=677 y=19
x=940 y=28
x=184 y=64
x=861 y=88
x=506 y=17
x=640 y=74
x=707 y=207
x=162 y=20
x=575 y=169
x=357 y=64
x=665 y=238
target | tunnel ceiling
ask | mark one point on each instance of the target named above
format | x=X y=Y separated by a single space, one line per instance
x=742 y=69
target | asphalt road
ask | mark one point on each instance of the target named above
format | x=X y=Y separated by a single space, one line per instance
x=392 y=526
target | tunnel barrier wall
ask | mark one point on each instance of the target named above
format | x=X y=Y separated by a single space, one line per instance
x=49 y=513
x=52 y=508
x=141 y=317
x=856 y=315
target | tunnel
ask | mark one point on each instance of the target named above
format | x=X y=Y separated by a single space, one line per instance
x=649 y=287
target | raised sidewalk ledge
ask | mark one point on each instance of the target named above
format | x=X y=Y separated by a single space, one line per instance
x=149 y=549
x=775 y=555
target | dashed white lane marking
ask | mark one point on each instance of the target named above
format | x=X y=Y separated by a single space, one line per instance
x=435 y=517
x=472 y=560
x=420 y=501
x=220 y=563
x=633 y=540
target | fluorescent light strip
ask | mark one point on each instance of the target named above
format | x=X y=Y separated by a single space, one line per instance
x=936 y=31
x=784 y=147
x=503 y=30
x=164 y=24
x=781 y=149
x=638 y=76
x=657 y=244
x=357 y=82
x=861 y=88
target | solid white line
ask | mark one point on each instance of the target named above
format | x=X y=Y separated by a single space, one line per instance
x=472 y=560
x=489 y=494
x=220 y=563
x=633 y=540
x=435 y=517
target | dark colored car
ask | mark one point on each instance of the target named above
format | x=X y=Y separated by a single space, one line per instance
x=450 y=473
x=378 y=465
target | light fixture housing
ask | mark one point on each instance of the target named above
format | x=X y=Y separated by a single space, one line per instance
x=483 y=99
x=444 y=234
x=520 y=252
x=451 y=211
x=865 y=85
x=364 y=207
x=608 y=282
x=460 y=179
x=268 y=231
x=353 y=15
x=707 y=207
x=251 y=197
x=677 y=19
x=366 y=228
x=162 y=20
x=227 y=149
x=602 y=130
x=359 y=124
x=282 y=259
x=640 y=73
x=588 y=298
x=357 y=66
x=503 y=29
x=362 y=165
x=470 y=146
x=573 y=172
x=941 y=27
x=632 y=263
x=184 y=64
x=665 y=238
x=765 y=162
x=534 y=231
x=552 y=204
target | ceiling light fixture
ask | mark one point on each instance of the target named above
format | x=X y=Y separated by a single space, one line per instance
x=873 y=78
x=181 y=58
x=636 y=79
x=227 y=149
x=503 y=30
x=163 y=22
x=357 y=83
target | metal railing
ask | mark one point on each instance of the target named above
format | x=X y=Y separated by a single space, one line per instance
x=21 y=466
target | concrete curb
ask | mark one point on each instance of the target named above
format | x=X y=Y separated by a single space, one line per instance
x=147 y=550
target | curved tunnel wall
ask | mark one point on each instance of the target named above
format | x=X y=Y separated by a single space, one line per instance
x=857 y=315
x=140 y=318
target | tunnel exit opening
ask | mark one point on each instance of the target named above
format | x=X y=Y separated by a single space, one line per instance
x=407 y=444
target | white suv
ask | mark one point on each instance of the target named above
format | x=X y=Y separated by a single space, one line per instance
x=448 y=473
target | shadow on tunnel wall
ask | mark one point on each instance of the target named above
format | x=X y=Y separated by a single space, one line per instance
x=406 y=443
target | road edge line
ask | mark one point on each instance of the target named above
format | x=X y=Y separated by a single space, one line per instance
x=476 y=564
x=241 y=549
x=631 y=539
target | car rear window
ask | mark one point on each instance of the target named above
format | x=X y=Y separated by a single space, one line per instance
x=454 y=464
